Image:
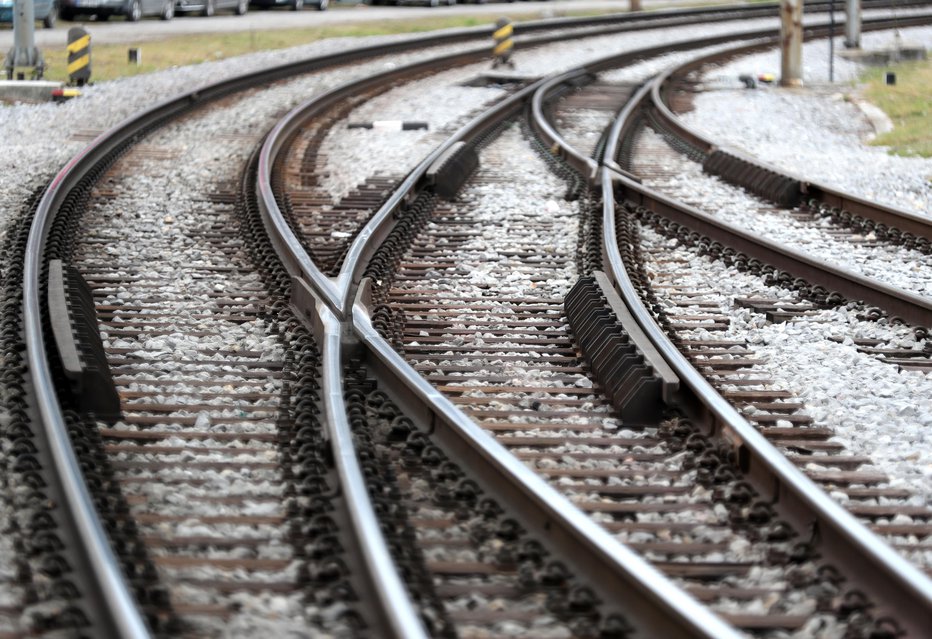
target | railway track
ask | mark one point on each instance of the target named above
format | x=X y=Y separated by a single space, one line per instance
x=484 y=322
x=396 y=334
x=236 y=392
x=694 y=319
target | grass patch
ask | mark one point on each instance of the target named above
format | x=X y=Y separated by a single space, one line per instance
x=908 y=104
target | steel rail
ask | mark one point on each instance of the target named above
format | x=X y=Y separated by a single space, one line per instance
x=363 y=246
x=381 y=224
x=882 y=572
x=749 y=11
x=586 y=165
x=548 y=134
x=115 y=612
x=461 y=435
x=121 y=617
x=618 y=574
x=553 y=139
x=625 y=581
x=397 y=611
x=767 y=38
x=891 y=580
x=625 y=118
x=911 y=308
x=890 y=216
x=283 y=237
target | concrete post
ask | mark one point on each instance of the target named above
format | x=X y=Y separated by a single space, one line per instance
x=791 y=43
x=24 y=52
x=853 y=24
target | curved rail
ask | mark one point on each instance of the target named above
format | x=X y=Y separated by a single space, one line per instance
x=890 y=216
x=764 y=38
x=123 y=619
x=118 y=615
x=585 y=165
x=889 y=578
x=397 y=611
x=335 y=290
x=623 y=578
x=911 y=308
x=297 y=262
x=881 y=571
x=530 y=496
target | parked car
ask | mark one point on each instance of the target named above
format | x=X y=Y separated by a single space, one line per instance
x=132 y=10
x=296 y=5
x=209 y=7
x=45 y=10
x=428 y=3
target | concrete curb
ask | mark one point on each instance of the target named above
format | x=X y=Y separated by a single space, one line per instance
x=28 y=90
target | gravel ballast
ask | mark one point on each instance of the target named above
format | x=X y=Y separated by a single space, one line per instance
x=873 y=408
x=819 y=131
x=42 y=138
x=683 y=179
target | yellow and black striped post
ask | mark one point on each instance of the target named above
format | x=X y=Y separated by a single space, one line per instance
x=79 y=56
x=504 y=43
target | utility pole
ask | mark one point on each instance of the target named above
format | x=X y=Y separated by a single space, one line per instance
x=831 y=41
x=24 y=53
x=791 y=43
x=635 y=5
x=853 y=24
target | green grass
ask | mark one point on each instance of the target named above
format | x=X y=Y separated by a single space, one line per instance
x=908 y=104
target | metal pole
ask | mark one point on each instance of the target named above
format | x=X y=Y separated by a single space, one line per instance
x=24 y=52
x=831 y=41
x=791 y=43
x=853 y=24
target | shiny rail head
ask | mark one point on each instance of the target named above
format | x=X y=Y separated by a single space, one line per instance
x=623 y=579
x=881 y=571
x=396 y=609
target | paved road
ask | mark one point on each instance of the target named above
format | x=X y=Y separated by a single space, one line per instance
x=118 y=31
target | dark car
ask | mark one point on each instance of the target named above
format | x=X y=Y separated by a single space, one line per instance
x=45 y=10
x=297 y=5
x=209 y=7
x=132 y=10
